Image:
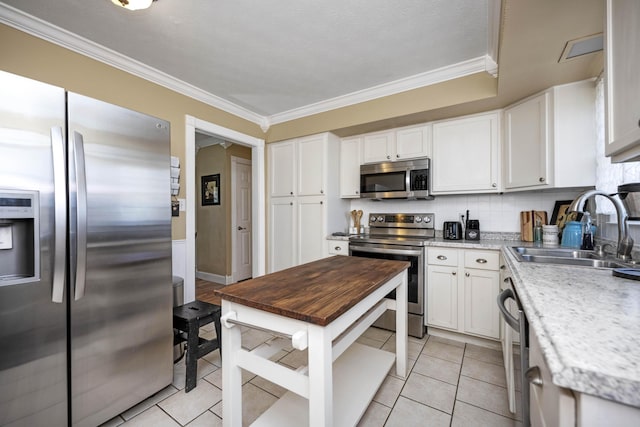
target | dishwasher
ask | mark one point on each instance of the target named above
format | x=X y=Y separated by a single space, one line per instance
x=516 y=322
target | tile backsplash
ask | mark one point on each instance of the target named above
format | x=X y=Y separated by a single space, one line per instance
x=496 y=212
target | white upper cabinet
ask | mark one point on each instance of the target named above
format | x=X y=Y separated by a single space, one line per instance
x=550 y=139
x=622 y=78
x=526 y=143
x=397 y=144
x=413 y=142
x=466 y=155
x=311 y=158
x=282 y=168
x=350 y=160
x=379 y=147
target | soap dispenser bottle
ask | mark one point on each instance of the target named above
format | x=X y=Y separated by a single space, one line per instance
x=587 y=232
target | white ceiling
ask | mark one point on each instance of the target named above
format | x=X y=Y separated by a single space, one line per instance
x=267 y=58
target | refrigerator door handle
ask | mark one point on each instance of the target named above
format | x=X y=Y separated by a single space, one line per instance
x=81 y=216
x=60 y=214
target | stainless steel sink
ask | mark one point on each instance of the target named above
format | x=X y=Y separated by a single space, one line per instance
x=564 y=256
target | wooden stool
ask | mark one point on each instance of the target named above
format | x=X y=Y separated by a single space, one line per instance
x=188 y=319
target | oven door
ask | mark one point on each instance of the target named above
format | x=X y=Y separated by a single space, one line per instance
x=412 y=254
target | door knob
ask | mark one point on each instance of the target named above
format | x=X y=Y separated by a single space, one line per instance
x=241 y=228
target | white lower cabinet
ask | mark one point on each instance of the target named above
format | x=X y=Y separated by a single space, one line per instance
x=550 y=405
x=462 y=288
x=338 y=247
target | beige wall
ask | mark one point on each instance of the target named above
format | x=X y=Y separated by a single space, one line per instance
x=213 y=222
x=32 y=57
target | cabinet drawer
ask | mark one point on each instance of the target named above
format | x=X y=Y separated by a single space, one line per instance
x=484 y=260
x=441 y=256
x=338 y=247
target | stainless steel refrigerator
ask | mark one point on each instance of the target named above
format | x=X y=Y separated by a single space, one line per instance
x=85 y=257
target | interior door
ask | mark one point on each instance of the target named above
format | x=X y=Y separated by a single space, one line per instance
x=241 y=243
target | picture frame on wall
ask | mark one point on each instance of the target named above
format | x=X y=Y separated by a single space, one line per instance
x=210 y=189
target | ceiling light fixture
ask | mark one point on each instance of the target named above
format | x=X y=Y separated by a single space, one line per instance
x=133 y=4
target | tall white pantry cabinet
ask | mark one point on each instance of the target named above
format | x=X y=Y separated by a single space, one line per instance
x=304 y=199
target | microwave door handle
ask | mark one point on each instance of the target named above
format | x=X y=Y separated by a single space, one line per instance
x=80 y=266
x=60 y=214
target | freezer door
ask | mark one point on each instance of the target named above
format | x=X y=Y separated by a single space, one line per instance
x=33 y=354
x=120 y=259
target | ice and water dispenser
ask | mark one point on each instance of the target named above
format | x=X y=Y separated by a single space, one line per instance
x=19 y=237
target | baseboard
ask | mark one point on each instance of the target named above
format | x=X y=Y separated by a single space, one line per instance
x=482 y=342
x=215 y=278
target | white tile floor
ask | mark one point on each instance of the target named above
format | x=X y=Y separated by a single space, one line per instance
x=450 y=384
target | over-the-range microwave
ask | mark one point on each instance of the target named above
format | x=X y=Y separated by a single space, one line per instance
x=407 y=179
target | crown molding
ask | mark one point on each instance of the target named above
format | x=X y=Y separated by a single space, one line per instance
x=66 y=39
x=461 y=69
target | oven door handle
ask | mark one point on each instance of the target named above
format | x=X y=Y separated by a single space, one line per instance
x=373 y=250
x=508 y=317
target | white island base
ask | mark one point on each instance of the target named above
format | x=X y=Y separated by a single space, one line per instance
x=341 y=377
x=357 y=375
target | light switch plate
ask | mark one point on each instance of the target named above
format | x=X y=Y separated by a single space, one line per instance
x=6 y=240
x=182 y=205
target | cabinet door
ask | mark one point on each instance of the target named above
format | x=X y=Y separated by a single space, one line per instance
x=379 y=147
x=282 y=226
x=465 y=155
x=526 y=142
x=312 y=233
x=442 y=296
x=282 y=168
x=312 y=160
x=622 y=80
x=350 y=159
x=481 y=314
x=413 y=142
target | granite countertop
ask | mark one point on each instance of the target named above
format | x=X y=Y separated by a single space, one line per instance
x=588 y=325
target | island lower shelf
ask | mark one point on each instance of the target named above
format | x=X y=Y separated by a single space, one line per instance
x=357 y=375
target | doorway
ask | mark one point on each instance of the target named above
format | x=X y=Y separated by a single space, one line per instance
x=258 y=239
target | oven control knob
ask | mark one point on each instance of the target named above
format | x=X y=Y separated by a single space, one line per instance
x=380 y=219
x=427 y=219
x=418 y=219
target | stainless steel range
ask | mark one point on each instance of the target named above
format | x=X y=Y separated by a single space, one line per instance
x=400 y=236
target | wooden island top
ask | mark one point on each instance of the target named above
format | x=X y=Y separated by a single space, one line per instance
x=317 y=292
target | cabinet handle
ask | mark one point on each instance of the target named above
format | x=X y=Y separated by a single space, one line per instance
x=357 y=192
x=494 y=185
x=291 y=203
x=502 y=267
x=337 y=248
x=291 y=193
x=321 y=202
x=534 y=376
x=454 y=273
x=441 y=257
x=466 y=274
x=321 y=191
x=481 y=261
x=388 y=157
x=541 y=179
x=397 y=156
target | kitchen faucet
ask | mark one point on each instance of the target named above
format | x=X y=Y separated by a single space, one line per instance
x=625 y=242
